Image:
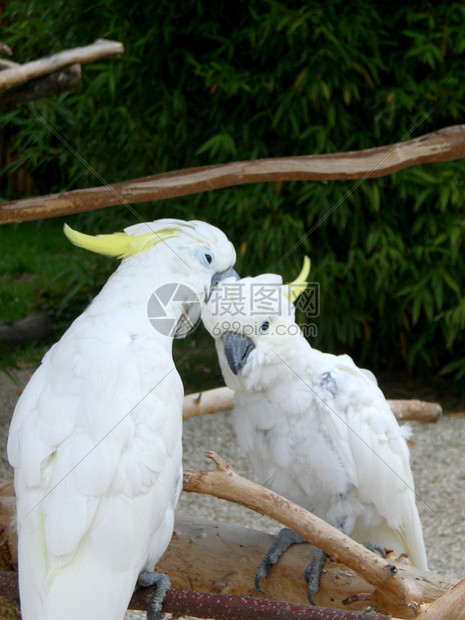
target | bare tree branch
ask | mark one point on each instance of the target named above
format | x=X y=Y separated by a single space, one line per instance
x=450 y=606
x=209 y=556
x=36 y=326
x=219 y=606
x=220 y=558
x=4 y=49
x=226 y=484
x=220 y=399
x=65 y=79
x=209 y=401
x=444 y=145
x=82 y=55
x=417 y=410
x=7 y=64
x=234 y=607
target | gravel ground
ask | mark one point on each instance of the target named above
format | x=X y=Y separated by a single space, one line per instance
x=438 y=463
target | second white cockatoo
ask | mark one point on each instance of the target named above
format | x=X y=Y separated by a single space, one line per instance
x=315 y=427
x=95 y=439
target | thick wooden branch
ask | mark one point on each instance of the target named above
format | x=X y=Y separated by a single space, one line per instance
x=234 y=607
x=219 y=606
x=219 y=558
x=62 y=80
x=417 y=410
x=444 y=145
x=226 y=484
x=81 y=55
x=450 y=606
x=7 y=64
x=209 y=401
x=36 y=326
x=220 y=399
x=213 y=557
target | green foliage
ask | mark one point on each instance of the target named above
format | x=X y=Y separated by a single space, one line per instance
x=41 y=269
x=203 y=83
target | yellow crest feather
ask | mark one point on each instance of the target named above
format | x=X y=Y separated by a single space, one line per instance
x=118 y=244
x=298 y=286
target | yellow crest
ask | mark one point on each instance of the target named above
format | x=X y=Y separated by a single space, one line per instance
x=118 y=244
x=298 y=286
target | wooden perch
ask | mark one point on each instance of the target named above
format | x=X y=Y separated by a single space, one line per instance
x=213 y=557
x=60 y=81
x=81 y=55
x=444 y=145
x=450 y=606
x=226 y=484
x=210 y=401
x=4 y=49
x=220 y=558
x=36 y=326
x=220 y=399
x=417 y=410
x=8 y=64
x=219 y=606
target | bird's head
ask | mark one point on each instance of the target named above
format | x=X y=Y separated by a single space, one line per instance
x=188 y=259
x=253 y=323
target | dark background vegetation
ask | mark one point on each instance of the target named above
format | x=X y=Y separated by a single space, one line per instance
x=206 y=82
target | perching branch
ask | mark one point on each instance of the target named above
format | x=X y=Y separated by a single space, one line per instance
x=82 y=55
x=234 y=607
x=450 y=606
x=4 y=49
x=220 y=399
x=210 y=556
x=219 y=606
x=226 y=484
x=68 y=78
x=221 y=558
x=209 y=401
x=417 y=410
x=35 y=327
x=444 y=145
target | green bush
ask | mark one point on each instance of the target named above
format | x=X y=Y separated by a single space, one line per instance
x=203 y=83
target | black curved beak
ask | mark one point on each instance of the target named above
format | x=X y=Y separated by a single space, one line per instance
x=219 y=276
x=237 y=349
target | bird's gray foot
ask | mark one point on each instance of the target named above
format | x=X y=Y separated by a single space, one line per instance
x=285 y=539
x=375 y=548
x=313 y=573
x=162 y=582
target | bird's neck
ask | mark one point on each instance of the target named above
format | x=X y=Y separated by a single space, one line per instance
x=140 y=295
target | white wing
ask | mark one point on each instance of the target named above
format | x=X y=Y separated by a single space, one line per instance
x=371 y=445
x=93 y=487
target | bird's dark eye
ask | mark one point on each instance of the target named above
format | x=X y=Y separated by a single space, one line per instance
x=264 y=327
x=208 y=258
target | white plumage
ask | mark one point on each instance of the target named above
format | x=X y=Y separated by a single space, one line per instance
x=316 y=428
x=95 y=439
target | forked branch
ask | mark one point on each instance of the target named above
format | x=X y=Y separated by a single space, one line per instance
x=226 y=484
x=43 y=66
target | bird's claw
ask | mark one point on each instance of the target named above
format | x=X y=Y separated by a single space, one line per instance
x=313 y=574
x=162 y=583
x=285 y=539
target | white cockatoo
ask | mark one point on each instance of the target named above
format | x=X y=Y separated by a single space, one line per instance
x=315 y=427
x=95 y=439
